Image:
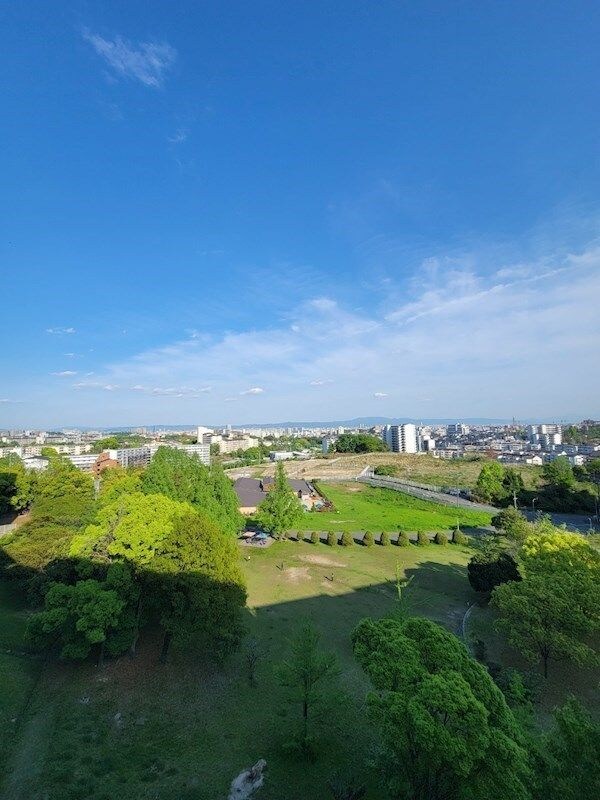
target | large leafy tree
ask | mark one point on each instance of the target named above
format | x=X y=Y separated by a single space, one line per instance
x=76 y=617
x=198 y=588
x=183 y=477
x=447 y=732
x=281 y=508
x=359 y=443
x=489 y=486
x=511 y=522
x=559 y=473
x=555 y=610
x=17 y=484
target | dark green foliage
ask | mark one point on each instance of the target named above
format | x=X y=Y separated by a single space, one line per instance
x=559 y=472
x=445 y=727
x=332 y=538
x=196 y=586
x=512 y=523
x=307 y=676
x=385 y=540
x=488 y=569
x=359 y=443
x=315 y=537
x=368 y=540
x=441 y=538
x=347 y=539
x=17 y=485
x=403 y=539
x=281 y=508
x=569 y=756
x=423 y=539
x=386 y=470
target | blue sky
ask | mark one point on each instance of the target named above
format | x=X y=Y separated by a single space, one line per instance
x=255 y=211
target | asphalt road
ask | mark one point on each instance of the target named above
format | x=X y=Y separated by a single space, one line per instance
x=574 y=522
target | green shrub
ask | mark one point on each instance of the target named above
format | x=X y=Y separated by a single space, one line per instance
x=441 y=538
x=403 y=540
x=332 y=538
x=422 y=539
x=347 y=539
x=458 y=537
x=385 y=539
x=368 y=539
x=315 y=538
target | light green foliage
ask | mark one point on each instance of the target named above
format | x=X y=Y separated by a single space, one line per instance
x=555 y=609
x=569 y=756
x=182 y=477
x=385 y=539
x=441 y=538
x=115 y=482
x=423 y=539
x=368 y=539
x=315 y=537
x=489 y=486
x=446 y=729
x=281 y=508
x=307 y=675
x=77 y=617
x=64 y=494
x=332 y=538
x=131 y=527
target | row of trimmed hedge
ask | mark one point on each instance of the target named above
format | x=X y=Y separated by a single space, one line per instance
x=347 y=540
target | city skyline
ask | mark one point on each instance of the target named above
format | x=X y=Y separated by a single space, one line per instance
x=389 y=213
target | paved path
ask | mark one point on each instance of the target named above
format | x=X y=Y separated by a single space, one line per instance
x=580 y=523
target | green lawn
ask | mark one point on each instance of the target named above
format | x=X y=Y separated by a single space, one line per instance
x=184 y=730
x=359 y=508
x=17 y=671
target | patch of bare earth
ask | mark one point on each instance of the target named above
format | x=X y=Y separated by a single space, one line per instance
x=297 y=574
x=322 y=561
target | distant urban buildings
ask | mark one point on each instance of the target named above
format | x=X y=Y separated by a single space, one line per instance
x=401 y=438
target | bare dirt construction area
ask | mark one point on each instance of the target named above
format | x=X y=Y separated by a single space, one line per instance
x=420 y=468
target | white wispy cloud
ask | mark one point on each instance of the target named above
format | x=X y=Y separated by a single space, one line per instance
x=147 y=62
x=456 y=331
x=180 y=135
x=60 y=331
x=66 y=373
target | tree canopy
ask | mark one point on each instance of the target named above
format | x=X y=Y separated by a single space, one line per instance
x=359 y=443
x=446 y=729
x=281 y=508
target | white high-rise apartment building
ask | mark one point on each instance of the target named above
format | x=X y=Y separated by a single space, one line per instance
x=401 y=438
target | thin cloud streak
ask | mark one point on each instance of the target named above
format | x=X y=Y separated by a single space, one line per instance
x=146 y=62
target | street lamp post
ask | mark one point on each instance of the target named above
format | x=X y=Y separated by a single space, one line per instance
x=533 y=507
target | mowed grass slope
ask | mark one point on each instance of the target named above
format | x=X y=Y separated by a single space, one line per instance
x=183 y=730
x=359 y=507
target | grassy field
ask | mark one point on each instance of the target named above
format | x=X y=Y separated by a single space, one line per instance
x=184 y=730
x=359 y=507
